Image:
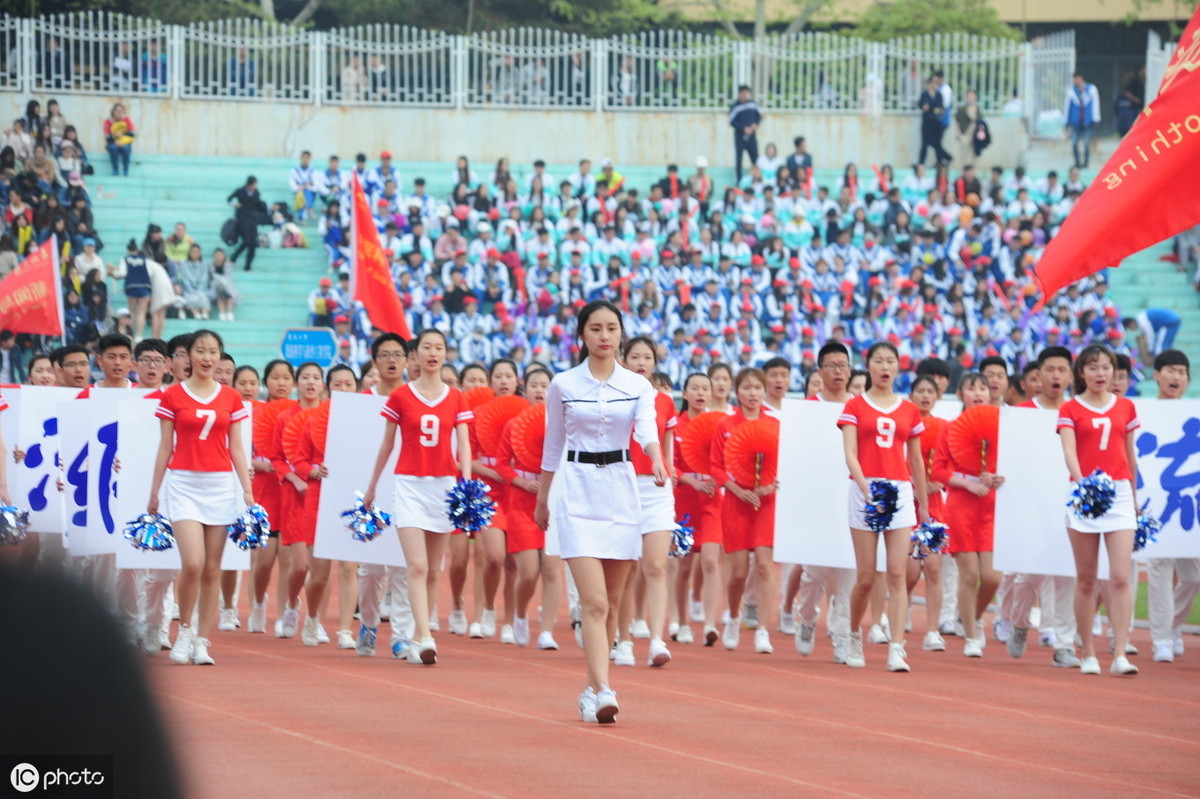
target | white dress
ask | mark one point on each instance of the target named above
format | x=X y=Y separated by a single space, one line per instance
x=597 y=511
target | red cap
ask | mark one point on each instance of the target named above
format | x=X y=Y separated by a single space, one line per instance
x=386 y=154
x=501 y=309
x=556 y=330
x=715 y=353
x=893 y=338
x=776 y=328
x=575 y=272
x=459 y=251
x=382 y=202
x=992 y=352
x=1076 y=332
x=747 y=308
x=635 y=256
x=698 y=351
x=875 y=281
x=907 y=284
x=743 y=323
x=747 y=281
x=818 y=307
x=1110 y=312
x=905 y=362
x=492 y=252
x=747 y=349
x=787 y=306
x=1055 y=329
x=436 y=298
x=794 y=263
x=967 y=360
x=340 y=318
x=847 y=285
x=931 y=309
x=757 y=260
x=1115 y=334
x=667 y=254
x=470 y=299
x=542 y=255
x=702 y=331
x=493 y=213
x=326 y=282
x=956 y=331
x=780 y=282
x=807 y=331
x=919 y=330
x=728 y=330
x=344 y=342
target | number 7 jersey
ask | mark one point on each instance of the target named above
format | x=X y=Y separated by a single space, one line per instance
x=1100 y=434
x=882 y=434
x=427 y=434
x=201 y=426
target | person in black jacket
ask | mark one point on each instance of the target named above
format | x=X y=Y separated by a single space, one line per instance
x=744 y=118
x=251 y=211
x=932 y=109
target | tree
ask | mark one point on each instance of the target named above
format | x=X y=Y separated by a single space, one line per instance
x=805 y=10
x=886 y=21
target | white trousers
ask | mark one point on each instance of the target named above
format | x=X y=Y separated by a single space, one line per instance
x=371 y=580
x=819 y=581
x=1057 y=603
x=1172 y=588
x=949 y=613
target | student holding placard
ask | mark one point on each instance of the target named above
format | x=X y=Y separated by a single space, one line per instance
x=1097 y=429
x=924 y=394
x=280 y=379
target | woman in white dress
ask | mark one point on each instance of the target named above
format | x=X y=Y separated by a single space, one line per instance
x=591 y=412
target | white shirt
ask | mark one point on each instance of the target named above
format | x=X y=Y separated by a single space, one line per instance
x=590 y=415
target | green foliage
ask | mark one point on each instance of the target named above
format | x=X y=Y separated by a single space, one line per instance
x=885 y=21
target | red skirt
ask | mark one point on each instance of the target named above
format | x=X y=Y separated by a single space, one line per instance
x=291 y=511
x=937 y=507
x=522 y=534
x=266 y=493
x=971 y=520
x=499 y=495
x=703 y=512
x=743 y=527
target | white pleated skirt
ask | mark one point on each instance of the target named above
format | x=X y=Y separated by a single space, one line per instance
x=906 y=509
x=1121 y=516
x=421 y=502
x=211 y=498
x=657 y=505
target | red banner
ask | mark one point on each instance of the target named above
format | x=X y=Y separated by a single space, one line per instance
x=372 y=277
x=1143 y=194
x=31 y=295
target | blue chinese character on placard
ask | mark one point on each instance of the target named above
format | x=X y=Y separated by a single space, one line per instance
x=1179 y=486
x=35 y=456
x=77 y=480
x=106 y=480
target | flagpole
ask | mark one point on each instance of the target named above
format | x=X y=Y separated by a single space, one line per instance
x=353 y=238
x=58 y=289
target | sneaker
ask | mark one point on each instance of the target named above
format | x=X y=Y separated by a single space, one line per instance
x=787 y=622
x=164 y=638
x=1046 y=639
x=475 y=630
x=201 y=657
x=908 y=620
x=229 y=620
x=458 y=622
x=184 y=644
x=973 y=647
x=659 y=654
x=487 y=624
x=606 y=705
x=1066 y=659
x=750 y=617
x=639 y=629
x=577 y=624
x=426 y=651
x=684 y=636
x=1002 y=630
x=1097 y=626
x=308 y=635
x=876 y=635
x=1089 y=665
x=673 y=630
x=546 y=640
x=733 y=634
x=947 y=628
x=1130 y=649
x=841 y=646
x=805 y=638
x=624 y=654
x=279 y=628
x=710 y=635
x=434 y=625
x=854 y=652
x=322 y=636
x=896 y=655
x=1122 y=667
x=258 y=618
x=385 y=607
x=400 y=649
x=366 y=641
x=696 y=611
x=933 y=642
x=762 y=641
x=520 y=630
x=1016 y=642
x=1177 y=641
x=587 y=706
x=288 y=624
x=345 y=639
x=150 y=643
x=1163 y=653
x=507 y=636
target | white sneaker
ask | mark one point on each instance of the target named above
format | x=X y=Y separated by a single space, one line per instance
x=426 y=651
x=1090 y=665
x=787 y=622
x=606 y=705
x=1046 y=639
x=587 y=706
x=229 y=620
x=733 y=633
x=1122 y=667
x=685 y=636
x=200 y=654
x=972 y=648
x=933 y=642
x=673 y=630
x=696 y=611
x=750 y=617
x=1066 y=659
x=762 y=641
x=624 y=654
x=458 y=622
x=507 y=636
x=434 y=625
x=1177 y=641
x=841 y=644
x=896 y=655
x=345 y=639
x=520 y=631
x=476 y=630
x=710 y=635
x=286 y=628
x=322 y=636
x=1163 y=653
x=908 y=620
x=185 y=642
x=946 y=627
x=854 y=652
x=487 y=623
x=258 y=617
x=659 y=654
x=639 y=629
x=308 y=633
x=1097 y=626
x=876 y=635
x=805 y=638
x=150 y=643
x=1002 y=630
x=546 y=640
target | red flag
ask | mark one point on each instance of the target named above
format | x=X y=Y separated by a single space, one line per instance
x=31 y=295
x=370 y=275
x=1142 y=195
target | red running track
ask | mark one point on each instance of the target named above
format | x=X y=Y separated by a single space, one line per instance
x=276 y=718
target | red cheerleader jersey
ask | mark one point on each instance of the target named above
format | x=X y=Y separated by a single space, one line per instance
x=882 y=433
x=426 y=430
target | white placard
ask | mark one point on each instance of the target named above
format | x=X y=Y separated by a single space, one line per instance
x=351 y=444
x=1168 y=448
x=8 y=426
x=34 y=480
x=948 y=409
x=74 y=431
x=100 y=468
x=811 y=525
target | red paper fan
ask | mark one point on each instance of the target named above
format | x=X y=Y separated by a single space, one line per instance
x=752 y=453
x=697 y=441
x=292 y=431
x=529 y=437
x=972 y=439
x=929 y=439
x=318 y=425
x=264 y=423
x=478 y=396
x=491 y=417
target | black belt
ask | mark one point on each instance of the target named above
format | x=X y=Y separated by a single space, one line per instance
x=598 y=458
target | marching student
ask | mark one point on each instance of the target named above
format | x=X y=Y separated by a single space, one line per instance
x=778 y=371
x=1097 y=429
x=721 y=375
x=200 y=454
x=591 y=411
x=245 y=381
x=280 y=379
x=880 y=432
x=747 y=512
x=924 y=395
x=431 y=418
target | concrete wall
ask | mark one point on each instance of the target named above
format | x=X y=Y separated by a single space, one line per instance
x=264 y=129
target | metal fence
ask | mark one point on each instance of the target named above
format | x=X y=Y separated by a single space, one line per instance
x=393 y=65
x=1158 y=56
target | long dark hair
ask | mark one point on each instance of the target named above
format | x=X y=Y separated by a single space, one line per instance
x=586 y=313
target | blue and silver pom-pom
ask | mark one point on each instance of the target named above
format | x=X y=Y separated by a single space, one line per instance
x=683 y=537
x=1147 y=530
x=252 y=530
x=929 y=538
x=14 y=524
x=1093 y=496
x=469 y=507
x=882 y=506
x=365 y=524
x=152 y=533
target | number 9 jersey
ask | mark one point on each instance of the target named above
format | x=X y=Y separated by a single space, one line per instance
x=427 y=435
x=201 y=426
x=882 y=434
